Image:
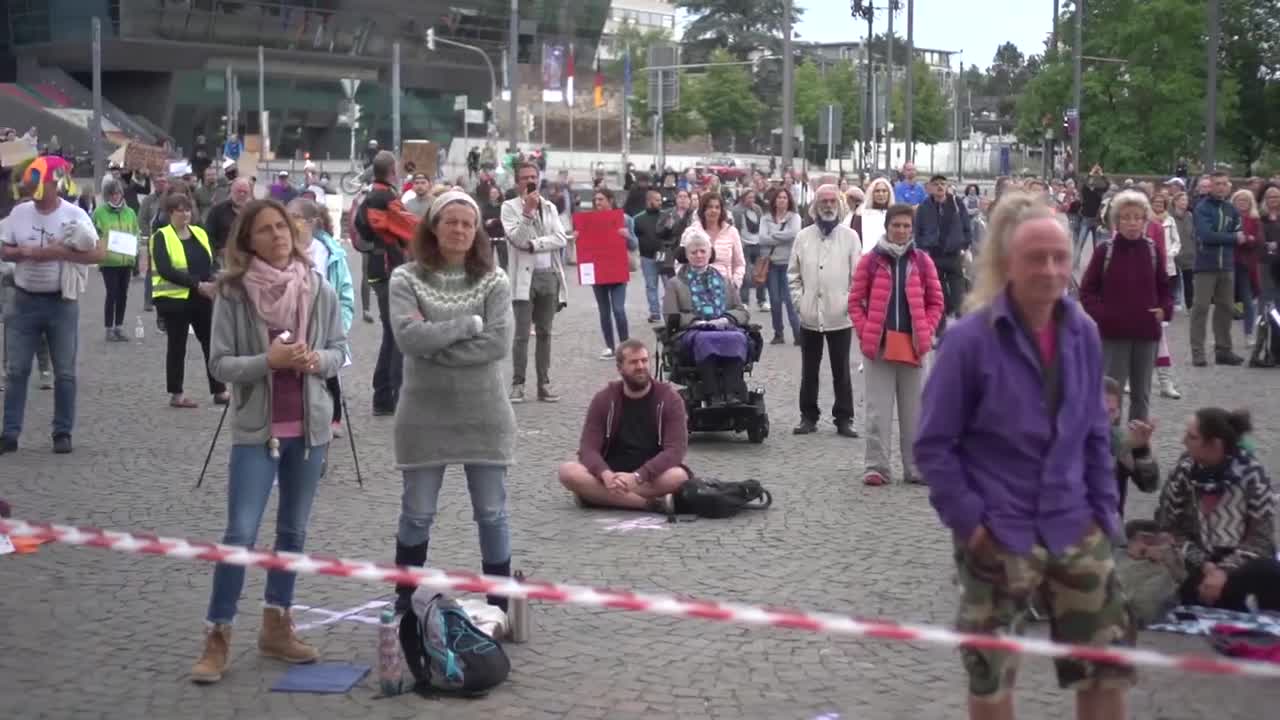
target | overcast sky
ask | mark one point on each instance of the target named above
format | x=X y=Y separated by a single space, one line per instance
x=976 y=28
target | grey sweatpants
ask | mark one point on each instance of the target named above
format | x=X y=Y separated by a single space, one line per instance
x=888 y=383
x=1132 y=361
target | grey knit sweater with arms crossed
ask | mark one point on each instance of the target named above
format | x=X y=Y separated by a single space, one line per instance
x=455 y=336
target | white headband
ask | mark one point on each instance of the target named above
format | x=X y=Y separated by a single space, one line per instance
x=452 y=196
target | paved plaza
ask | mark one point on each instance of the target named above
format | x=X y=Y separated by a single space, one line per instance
x=86 y=633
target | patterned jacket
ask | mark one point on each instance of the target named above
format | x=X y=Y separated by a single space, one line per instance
x=1239 y=527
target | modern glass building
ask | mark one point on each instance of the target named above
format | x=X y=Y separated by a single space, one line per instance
x=165 y=62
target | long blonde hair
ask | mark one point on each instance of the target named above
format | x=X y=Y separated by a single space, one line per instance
x=1014 y=208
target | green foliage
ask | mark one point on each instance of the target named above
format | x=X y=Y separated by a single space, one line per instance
x=725 y=101
x=681 y=124
x=1145 y=112
x=738 y=26
x=844 y=88
x=929 y=114
x=1251 y=58
x=811 y=95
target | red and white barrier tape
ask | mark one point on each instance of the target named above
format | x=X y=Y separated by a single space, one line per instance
x=444 y=580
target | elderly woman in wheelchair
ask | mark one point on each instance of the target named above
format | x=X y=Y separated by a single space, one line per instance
x=707 y=324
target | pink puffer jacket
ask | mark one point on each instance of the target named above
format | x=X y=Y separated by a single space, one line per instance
x=873 y=291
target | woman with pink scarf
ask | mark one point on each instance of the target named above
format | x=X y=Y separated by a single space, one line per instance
x=277 y=334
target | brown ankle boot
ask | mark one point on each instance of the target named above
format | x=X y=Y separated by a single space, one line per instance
x=217 y=651
x=276 y=638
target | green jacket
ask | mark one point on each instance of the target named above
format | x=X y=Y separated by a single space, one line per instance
x=106 y=219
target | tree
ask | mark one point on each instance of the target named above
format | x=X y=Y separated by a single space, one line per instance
x=844 y=88
x=741 y=27
x=1140 y=114
x=929 y=114
x=726 y=103
x=681 y=123
x=1251 y=57
x=812 y=95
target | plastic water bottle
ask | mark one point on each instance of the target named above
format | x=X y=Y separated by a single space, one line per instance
x=389 y=654
x=139 y=331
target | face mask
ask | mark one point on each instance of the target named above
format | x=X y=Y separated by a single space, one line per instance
x=116 y=205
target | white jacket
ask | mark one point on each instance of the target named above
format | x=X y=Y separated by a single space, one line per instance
x=820 y=275
x=527 y=236
x=1172 y=245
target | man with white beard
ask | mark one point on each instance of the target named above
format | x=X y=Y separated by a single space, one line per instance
x=820 y=275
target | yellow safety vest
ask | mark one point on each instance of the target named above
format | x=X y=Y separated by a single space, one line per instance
x=161 y=288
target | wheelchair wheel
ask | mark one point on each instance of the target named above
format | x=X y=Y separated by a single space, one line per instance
x=759 y=431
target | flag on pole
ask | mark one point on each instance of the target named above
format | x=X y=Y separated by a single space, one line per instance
x=626 y=73
x=568 y=81
x=599 y=99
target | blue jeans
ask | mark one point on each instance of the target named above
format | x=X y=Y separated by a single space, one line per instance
x=611 y=301
x=651 y=277
x=1244 y=296
x=30 y=320
x=248 y=489
x=488 y=487
x=751 y=252
x=780 y=297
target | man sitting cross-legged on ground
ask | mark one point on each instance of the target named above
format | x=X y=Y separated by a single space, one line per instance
x=633 y=441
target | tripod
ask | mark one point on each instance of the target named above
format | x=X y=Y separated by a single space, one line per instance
x=351 y=436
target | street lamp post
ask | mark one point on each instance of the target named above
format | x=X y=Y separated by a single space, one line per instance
x=1211 y=94
x=788 y=92
x=909 y=101
x=1077 y=92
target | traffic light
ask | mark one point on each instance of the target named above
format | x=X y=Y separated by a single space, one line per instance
x=431 y=38
x=349 y=115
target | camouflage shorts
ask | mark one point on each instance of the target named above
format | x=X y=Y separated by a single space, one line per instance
x=1082 y=597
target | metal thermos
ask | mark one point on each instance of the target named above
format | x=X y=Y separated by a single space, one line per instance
x=518 y=614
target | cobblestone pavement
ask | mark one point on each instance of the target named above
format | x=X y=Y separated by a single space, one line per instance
x=86 y=633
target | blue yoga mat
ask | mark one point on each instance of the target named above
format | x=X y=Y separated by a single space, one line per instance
x=323 y=678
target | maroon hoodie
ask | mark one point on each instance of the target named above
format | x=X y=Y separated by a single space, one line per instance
x=604 y=416
x=1120 y=302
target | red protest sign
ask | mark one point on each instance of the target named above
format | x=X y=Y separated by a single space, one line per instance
x=602 y=249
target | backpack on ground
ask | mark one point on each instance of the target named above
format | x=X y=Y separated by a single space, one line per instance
x=719 y=499
x=1266 y=340
x=446 y=652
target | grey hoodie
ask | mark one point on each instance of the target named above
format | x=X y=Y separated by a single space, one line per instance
x=238 y=357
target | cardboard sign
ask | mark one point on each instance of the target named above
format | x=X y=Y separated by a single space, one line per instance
x=602 y=251
x=15 y=153
x=424 y=155
x=138 y=156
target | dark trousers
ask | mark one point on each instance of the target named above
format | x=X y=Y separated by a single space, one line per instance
x=838 y=343
x=178 y=315
x=611 y=304
x=116 y=280
x=1188 y=287
x=335 y=392
x=951 y=277
x=364 y=282
x=722 y=376
x=387 y=373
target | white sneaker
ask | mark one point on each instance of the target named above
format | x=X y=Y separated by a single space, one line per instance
x=1168 y=390
x=606 y=354
x=765 y=307
x=1126 y=387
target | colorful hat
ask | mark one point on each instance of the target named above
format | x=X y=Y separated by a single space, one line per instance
x=47 y=169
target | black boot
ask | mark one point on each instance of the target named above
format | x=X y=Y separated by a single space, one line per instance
x=502 y=569
x=411 y=556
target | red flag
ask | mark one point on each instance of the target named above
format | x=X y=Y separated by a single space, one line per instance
x=599 y=82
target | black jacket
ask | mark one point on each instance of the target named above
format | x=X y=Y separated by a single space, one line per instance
x=647 y=226
x=219 y=223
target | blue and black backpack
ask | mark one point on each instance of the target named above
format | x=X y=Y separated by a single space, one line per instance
x=446 y=652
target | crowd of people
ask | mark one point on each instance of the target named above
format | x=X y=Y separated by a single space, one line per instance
x=962 y=306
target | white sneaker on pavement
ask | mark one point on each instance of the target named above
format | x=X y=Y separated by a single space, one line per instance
x=606 y=354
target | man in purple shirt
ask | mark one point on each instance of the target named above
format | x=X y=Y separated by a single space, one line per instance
x=1015 y=445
